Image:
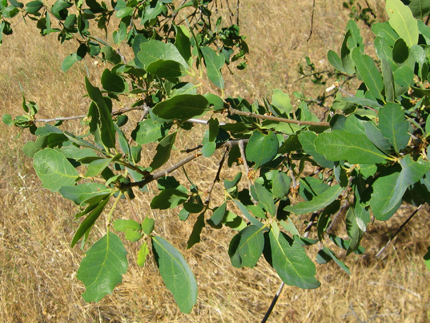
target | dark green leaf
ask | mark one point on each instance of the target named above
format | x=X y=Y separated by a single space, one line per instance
x=112 y=82
x=197 y=230
x=281 y=185
x=246 y=247
x=168 y=198
x=262 y=148
x=219 y=215
x=106 y=123
x=33 y=6
x=265 y=199
x=176 y=274
x=163 y=150
x=102 y=267
x=182 y=107
x=110 y=55
x=307 y=140
x=89 y=220
x=400 y=51
x=393 y=125
x=291 y=262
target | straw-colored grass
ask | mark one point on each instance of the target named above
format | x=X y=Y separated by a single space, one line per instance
x=38 y=268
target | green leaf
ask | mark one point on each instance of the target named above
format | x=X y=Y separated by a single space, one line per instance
x=362 y=101
x=404 y=76
x=291 y=262
x=384 y=201
x=246 y=247
x=317 y=203
x=54 y=170
x=393 y=125
x=219 y=215
x=148 y=225
x=376 y=137
x=387 y=74
x=183 y=44
x=112 y=82
x=148 y=131
x=168 y=198
x=69 y=61
x=402 y=21
x=176 y=274
x=281 y=185
x=155 y=50
x=106 y=123
x=102 y=267
x=213 y=63
x=165 y=69
x=368 y=72
x=354 y=230
x=89 y=221
x=335 y=61
x=182 y=107
x=97 y=166
x=33 y=6
x=123 y=224
x=420 y=8
x=197 y=230
x=400 y=51
x=356 y=149
x=142 y=254
x=265 y=199
x=82 y=192
x=110 y=55
x=331 y=254
x=124 y=12
x=307 y=140
x=427 y=258
x=282 y=102
x=386 y=32
x=248 y=215
x=163 y=150
x=262 y=148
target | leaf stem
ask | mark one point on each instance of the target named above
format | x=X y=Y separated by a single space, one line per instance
x=109 y=218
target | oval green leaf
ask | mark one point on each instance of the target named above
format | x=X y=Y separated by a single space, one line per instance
x=176 y=274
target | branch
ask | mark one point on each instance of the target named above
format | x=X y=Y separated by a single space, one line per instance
x=258 y=116
x=149 y=178
x=114 y=113
x=216 y=179
x=400 y=228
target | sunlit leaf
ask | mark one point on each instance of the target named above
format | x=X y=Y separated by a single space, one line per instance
x=102 y=267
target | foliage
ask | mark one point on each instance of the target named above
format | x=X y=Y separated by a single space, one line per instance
x=369 y=156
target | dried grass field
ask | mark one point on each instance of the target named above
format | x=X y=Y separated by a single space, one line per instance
x=38 y=268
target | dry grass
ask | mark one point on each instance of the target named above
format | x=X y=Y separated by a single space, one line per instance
x=38 y=268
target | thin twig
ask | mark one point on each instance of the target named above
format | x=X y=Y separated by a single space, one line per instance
x=216 y=179
x=397 y=286
x=131 y=207
x=312 y=21
x=272 y=305
x=114 y=113
x=400 y=228
x=258 y=116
